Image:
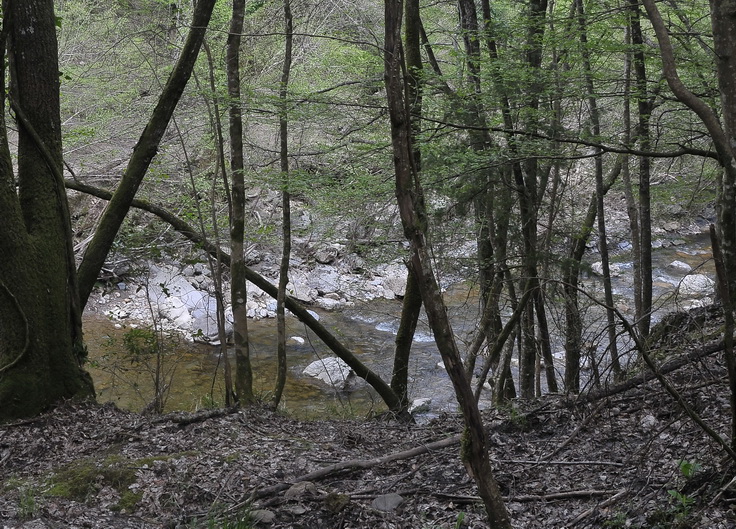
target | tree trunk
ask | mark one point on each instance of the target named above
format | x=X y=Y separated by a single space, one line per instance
x=410 y=310
x=41 y=348
x=600 y=193
x=644 y=109
x=286 y=211
x=413 y=217
x=239 y=286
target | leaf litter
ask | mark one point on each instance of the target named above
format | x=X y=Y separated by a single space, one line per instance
x=629 y=459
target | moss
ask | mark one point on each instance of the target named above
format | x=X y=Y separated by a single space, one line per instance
x=128 y=501
x=80 y=479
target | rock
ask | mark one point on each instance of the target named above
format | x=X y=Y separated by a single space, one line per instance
x=615 y=268
x=328 y=254
x=671 y=226
x=420 y=405
x=300 y=490
x=262 y=516
x=331 y=370
x=697 y=303
x=696 y=285
x=394 y=279
x=297 y=340
x=387 y=502
x=328 y=303
x=648 y=422
x=679 y=266
x=324 y=279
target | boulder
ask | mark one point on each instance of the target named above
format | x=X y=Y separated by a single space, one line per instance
x=324 y=279
x=394 y=279
x=387 y=502
x=696 y=285
x=679 y=266
x=331 y=370
x=420 y=405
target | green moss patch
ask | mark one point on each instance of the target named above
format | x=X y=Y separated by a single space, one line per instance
x=85 y=477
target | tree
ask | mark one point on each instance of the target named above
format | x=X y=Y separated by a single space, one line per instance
x=41 y=300
x=723 y=135
x=410 y=199
x=41 y=343
x=239 y=287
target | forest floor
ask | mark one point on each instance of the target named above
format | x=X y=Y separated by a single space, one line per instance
x=631 y=459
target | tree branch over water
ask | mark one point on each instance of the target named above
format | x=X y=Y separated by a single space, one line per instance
x=292 y=304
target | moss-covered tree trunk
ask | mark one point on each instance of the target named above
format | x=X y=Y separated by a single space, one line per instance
x=41 y=348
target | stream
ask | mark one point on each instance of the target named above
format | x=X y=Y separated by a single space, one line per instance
x=369 y=330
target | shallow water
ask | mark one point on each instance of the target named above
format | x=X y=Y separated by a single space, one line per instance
x=368 y=329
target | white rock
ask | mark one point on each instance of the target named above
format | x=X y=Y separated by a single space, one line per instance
x=696 y=285
x=420 y=405
x=395 y=279
x=679 y=266
x=328 y=303
x=615 y=268
x=331 y=370
x=648 y=422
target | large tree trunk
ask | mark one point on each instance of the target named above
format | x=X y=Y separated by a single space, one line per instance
x=41 y=348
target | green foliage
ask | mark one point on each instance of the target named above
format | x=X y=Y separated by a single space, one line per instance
x=219 y=518
x=28 y=506
x=617 y=522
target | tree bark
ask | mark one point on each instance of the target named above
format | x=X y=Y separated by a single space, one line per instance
x=286 y=209
x=239 y=286
x=41 y=348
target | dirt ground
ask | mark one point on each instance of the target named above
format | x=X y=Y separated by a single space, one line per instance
x=632 y=459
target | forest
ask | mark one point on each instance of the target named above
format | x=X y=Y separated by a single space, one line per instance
x=502 y=235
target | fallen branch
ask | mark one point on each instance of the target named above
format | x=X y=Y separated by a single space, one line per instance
x=571 y=463
x=357 y=464
x=292 y=304
x=646 y=376
x=610 y=501
x=552 y=496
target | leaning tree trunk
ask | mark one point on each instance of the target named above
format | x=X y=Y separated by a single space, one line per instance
x=41 y=348
x=143 y=153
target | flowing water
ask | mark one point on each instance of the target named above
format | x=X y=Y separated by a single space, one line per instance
x=368 y=329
